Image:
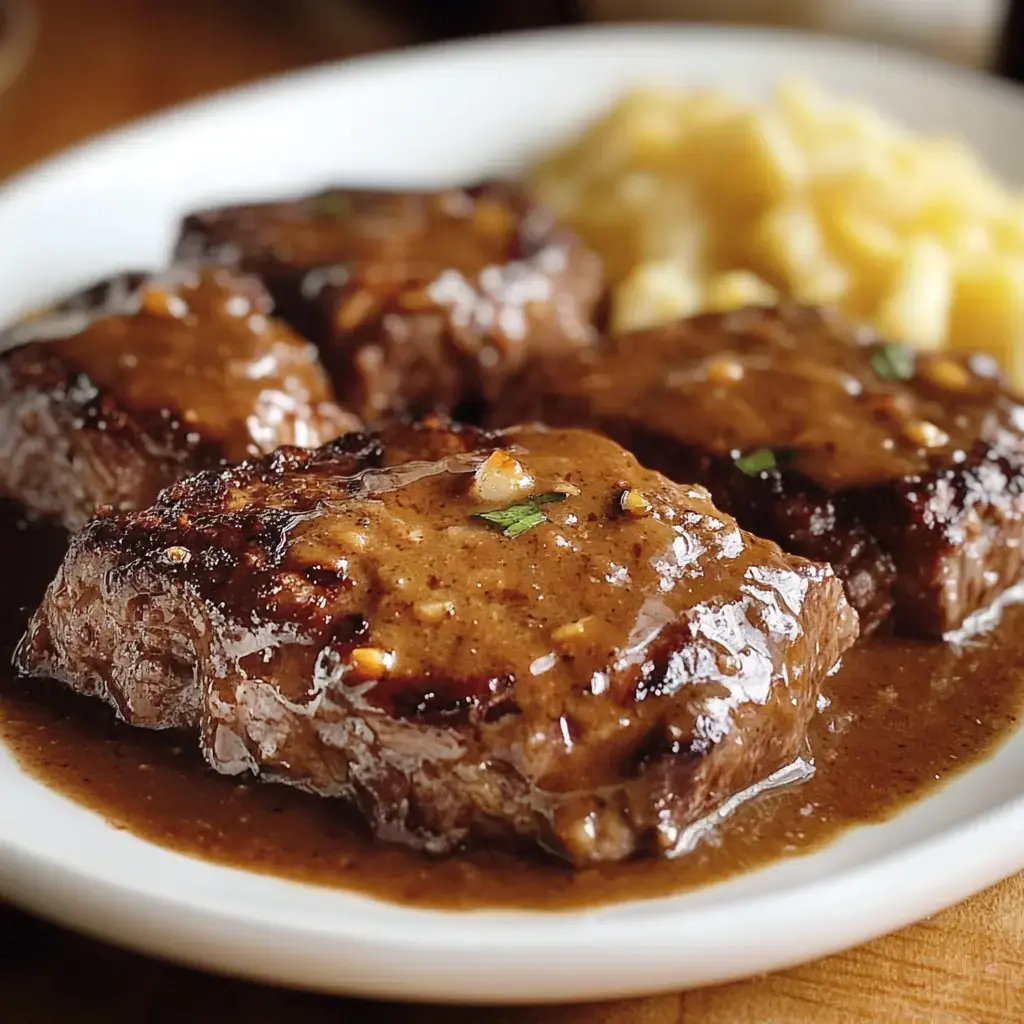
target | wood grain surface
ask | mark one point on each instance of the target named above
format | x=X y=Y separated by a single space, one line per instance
x=100 y=62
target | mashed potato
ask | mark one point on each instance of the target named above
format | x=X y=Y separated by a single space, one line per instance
x=705 y=200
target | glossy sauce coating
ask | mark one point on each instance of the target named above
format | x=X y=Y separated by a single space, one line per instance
x=418 y=300
x=196 y=355
x=362 y=621
x=841 y=406
x=877 y=746
x=588 y=582
x=573 y=611
x=902 y=470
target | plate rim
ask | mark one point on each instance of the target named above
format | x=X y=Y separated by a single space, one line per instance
x=163 y=925
x=987 y=831
x=594 y=34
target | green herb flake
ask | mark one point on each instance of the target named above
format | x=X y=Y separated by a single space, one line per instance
x=528 y=522
x=893 y=362
x=758 y=461
x=517 y=519
x=331 y=204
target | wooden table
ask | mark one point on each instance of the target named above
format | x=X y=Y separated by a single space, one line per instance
x=99 y=62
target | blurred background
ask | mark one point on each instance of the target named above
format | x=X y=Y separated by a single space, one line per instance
x=69 y=68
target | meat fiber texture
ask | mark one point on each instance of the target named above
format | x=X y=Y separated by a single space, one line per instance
x=520 y=637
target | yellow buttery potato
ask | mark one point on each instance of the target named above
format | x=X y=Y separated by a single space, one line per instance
x=704 y=200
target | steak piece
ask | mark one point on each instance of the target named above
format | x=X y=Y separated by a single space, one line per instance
x=595 y=671
x=902 y=470
x=133 y=383
x=419 y=301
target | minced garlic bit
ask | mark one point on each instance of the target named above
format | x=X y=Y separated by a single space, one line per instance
x=570 y=489
x=158 y=302
x=723 y=370
x=570 y=631
x=634 y=503
x=500 y=478
x=368 y=663
x=946 y=373
x=432 y=612
x=354 y=310
x=492 y=218
x=178 y=555
x=416 y=299
x=925 y=434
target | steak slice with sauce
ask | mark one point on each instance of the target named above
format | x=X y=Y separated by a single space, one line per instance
x=904 y=471
x=594 y=665
x=130 y=385
x=419 y=301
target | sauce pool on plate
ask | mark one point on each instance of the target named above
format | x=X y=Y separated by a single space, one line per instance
x=901 y=717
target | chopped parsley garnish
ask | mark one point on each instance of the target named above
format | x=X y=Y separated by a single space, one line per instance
x=760 y=460
x=331 y=204
x=893 y=362
x=517 y=519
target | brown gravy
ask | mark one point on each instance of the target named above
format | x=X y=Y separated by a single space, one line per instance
x=903 y=717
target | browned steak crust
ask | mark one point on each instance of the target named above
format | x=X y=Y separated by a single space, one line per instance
x=903 y=471
x=123 y=389
x=341 y=620
x=419 y=301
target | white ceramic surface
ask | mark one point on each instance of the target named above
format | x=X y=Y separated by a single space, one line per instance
x=429 y=116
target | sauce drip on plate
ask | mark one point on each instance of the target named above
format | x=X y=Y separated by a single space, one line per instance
x=902 y=717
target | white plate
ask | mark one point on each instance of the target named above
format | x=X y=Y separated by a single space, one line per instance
x=430 y=116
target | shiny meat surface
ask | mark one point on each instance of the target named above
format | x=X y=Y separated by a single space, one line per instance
x=419 y=301
x=595 y=670
x=903 y=470
x=121 y=390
